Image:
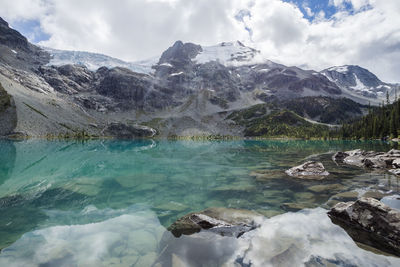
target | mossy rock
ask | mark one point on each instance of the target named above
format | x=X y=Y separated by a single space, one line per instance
x=5 y=99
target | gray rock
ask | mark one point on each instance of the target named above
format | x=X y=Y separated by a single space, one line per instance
x=223 y=221
x=8 y=113
x=340 y=156
x=122 y=130
x=395 y=171
x=25 y=55
x=68 y=79
x=396 y=163
x=370 y=222
x=308 y=170
x=369 y=159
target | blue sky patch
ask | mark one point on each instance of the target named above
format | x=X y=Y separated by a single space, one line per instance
x=30 y=29
x=322 y=5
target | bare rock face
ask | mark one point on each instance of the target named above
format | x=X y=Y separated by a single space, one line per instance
x=68 y=79
x=340 y=156
x=16 y=51
x=370 y=159
x=8 y=113
x=370 y=222
x=309 y=170
x=122 y=130
x=223 y=221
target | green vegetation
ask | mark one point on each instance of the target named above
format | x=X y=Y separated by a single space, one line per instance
x=260 y=122
x=5 y=99
x=76 y=135
x=36 y=110
x=380 y=123
x=328 y=110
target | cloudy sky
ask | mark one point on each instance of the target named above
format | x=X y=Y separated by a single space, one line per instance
x=312 y=34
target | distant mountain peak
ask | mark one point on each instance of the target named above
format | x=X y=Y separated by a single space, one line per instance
x=357 y=79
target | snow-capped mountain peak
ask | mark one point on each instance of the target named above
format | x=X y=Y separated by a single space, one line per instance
x=227 y=53
x=358 y=80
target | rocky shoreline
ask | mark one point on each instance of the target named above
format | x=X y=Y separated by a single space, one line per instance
x=372 y=224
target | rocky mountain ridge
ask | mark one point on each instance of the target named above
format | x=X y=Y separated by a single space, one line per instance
x=190 y=90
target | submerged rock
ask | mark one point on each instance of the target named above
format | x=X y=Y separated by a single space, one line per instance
x=224 y=221
x=308 y=170
x=370 y=222
x=325 y=188
x=346 y=196
x=297 y=206
x=374 y=194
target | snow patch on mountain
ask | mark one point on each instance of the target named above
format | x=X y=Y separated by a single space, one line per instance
x=341 y=69
x=359 y=85
x=227 y=53
x=93 y=61
x=176 y=74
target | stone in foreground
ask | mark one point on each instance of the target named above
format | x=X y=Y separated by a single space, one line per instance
x=369 y=221
x=309 y=170
x=223 y=221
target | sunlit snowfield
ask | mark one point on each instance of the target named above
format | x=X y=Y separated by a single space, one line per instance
x=109 y=202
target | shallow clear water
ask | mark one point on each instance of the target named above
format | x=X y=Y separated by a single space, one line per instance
x=109 y=202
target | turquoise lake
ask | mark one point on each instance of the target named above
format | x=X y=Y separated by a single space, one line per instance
x=109 y=202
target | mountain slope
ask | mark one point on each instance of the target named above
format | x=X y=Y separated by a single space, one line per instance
x=16 y=51
x=359 y=81
x=188 y=90
x=94 y=61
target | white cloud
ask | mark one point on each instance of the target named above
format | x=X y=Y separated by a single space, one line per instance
x=138 y=29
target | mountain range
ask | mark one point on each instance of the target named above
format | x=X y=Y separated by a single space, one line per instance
x=188 y=90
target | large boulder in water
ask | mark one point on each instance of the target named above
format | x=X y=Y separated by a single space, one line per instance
x=309 y=170
x=371 y=222
x=223 y=221
x=369 y=159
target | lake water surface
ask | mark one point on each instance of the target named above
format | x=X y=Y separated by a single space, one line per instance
x=108 y=203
